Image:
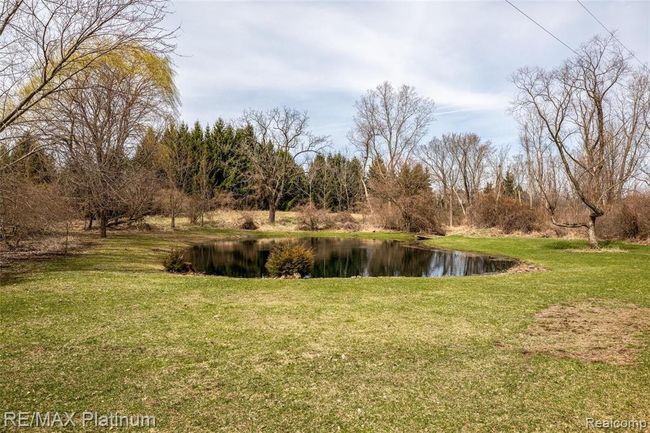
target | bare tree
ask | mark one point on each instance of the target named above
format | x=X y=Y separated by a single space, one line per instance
x=470 y=155
x=390 y=123
x=46 y=44
x=593 y=110
x=438 y=157
x=542 y=164
x=362 y=138
x=497 y=161
x=282 y=141
x=97 y=126
x=518 y=167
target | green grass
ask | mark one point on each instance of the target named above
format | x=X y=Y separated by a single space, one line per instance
x=108 y=331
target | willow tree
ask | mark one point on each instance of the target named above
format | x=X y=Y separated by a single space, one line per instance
x=97 y=125
x=591 y=115
x=46 y=44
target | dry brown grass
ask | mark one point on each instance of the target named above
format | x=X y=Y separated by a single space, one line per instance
x=592 y=250
x=524 y=267
x=493 y=232
x=232 y=219
x=592 y=331
x=44 y=247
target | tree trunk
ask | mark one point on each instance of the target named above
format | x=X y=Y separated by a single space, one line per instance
x=460 y=202
x=172 y=205
x=591 y=230
x=451 y=209
x=272 y=212
x=103 y=223
x=365 y=192
x=67 y=237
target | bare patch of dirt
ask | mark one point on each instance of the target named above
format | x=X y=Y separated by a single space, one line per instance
x=592 y=331
x=524 y=267
x=592 y=250
x=43 y=248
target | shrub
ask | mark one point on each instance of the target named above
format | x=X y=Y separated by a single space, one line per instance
x=175 y=262
x=421 y=216
x=288 y=260
x=313 y=219
x=345 y=221
x=350 y=226
x=29 y=210
x=628 y=219
x=405 y=201
x=247 y=223
x=415 y=214
x=506 y=214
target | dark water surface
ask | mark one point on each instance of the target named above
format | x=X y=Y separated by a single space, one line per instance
x=343 y=257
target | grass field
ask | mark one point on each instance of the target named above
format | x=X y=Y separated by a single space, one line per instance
x=109 y=331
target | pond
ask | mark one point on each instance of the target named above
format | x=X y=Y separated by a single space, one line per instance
x=343 y=257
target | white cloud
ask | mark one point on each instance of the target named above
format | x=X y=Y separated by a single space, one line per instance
x=321 y=55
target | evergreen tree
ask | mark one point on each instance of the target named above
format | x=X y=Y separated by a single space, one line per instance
x=29 y=159
x=510 y=186
x=318 y=174
x=149 y=153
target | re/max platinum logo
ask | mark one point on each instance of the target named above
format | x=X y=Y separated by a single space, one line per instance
x=30 y=419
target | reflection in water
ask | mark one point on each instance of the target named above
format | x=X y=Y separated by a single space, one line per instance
x=336 y=257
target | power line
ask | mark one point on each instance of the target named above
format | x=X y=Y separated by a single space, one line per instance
x=612 y=33
x=542 y=27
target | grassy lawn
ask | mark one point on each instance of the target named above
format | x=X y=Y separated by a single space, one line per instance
x=108 y=331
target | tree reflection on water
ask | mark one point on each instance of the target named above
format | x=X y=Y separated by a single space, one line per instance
x=343 y=257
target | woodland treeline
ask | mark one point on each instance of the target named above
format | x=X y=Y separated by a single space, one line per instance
x=216 y=166
x=89 y=132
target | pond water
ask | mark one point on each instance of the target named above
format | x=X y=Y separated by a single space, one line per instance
x=343 y=257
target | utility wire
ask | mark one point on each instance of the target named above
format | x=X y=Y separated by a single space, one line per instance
x=542 y=27
x=612 y=33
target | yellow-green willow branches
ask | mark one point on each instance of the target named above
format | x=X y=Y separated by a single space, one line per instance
x=44 y=44
x=96 y=125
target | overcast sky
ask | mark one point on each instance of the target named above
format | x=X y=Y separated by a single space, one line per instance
x=321 y=56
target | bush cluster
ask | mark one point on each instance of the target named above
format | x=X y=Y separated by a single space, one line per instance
x=288 y=260
x=175 y=262
x=421 y=216
x=629 y=219
x=345 y=221
x=30 y=210
x=314 y=219
x=404 y=200
x=247 y=223
x=506 y=214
